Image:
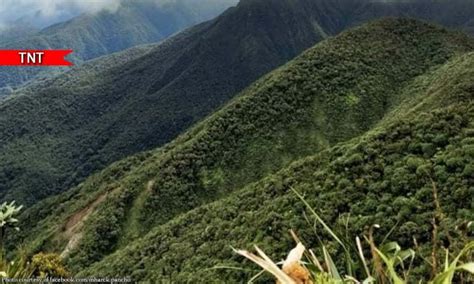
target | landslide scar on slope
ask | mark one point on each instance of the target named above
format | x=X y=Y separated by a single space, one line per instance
x=72 y=229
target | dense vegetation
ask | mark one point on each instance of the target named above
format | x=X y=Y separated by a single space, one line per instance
x=92 y=35
x=364 y=260
x=384 y=177
x=85 y=119
x=22 y=267
x=58 y=131
x=173 y=212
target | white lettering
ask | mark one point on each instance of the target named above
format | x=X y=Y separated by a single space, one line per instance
x=31 y=57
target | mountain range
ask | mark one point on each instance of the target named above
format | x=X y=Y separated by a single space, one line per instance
x=361 y=124
x=79 y=122
x=92 y=35
x=154 y=161
x=139 y=103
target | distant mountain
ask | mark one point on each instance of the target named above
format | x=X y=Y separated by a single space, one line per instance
x=93 y=35
x=15 y=32
x=457 y=14
x=360 y=124
x=79 y=122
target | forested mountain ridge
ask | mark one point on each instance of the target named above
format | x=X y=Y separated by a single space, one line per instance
x=192 y=190
x=93 y=35
x=146 y=101
x=384 y=177
x=142 y=103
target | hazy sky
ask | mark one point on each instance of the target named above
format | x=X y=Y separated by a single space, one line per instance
x=41 y=13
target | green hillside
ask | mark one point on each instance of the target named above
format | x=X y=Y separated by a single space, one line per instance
x=93 y=35
x=382 y=178
x=357 y=119
x=56 y=132
x=141 y=102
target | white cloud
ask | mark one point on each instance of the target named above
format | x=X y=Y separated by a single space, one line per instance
x=41 y=13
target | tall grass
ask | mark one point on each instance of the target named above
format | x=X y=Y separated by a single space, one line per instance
x=41 y=265
x=19 y=268
x=386 y=263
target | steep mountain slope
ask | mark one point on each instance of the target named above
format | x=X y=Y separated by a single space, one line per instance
x=70 y=128
x=94 y=35
x=384 y=177
x=335 y=91
x=142 y=103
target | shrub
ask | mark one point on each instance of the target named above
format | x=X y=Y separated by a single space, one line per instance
x=48 y=265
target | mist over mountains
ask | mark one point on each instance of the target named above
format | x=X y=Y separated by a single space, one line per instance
x=41 y=14
x=105 y=30
x=96 y=29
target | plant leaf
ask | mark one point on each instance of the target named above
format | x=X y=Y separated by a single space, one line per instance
x=331 y=266
x=468 y=267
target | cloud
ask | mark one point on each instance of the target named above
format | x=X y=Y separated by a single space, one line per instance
x=41 y=13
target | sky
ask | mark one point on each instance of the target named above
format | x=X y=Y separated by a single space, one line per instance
x=42 y=13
